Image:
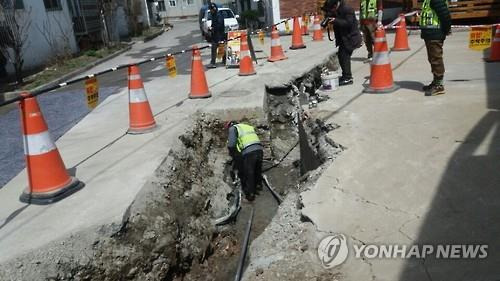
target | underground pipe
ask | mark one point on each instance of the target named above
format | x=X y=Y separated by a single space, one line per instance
x=244 y=248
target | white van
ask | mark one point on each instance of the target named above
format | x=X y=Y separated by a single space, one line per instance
x=230 y=20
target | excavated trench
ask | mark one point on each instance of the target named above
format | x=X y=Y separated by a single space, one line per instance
x=169 y=231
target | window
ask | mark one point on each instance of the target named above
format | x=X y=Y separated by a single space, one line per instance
x=7 y=4
x=51 y=5
x=172 y=3
x=161 y=6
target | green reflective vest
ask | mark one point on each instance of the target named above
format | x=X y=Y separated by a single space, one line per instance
x=368 y=9
x=429 y=18
x=246 y=136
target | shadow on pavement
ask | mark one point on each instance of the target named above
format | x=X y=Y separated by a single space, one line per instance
x=466 y=206
x=13 y=215
x=411 y=85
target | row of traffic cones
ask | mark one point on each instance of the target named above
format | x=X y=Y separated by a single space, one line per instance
x=49 y=181
x=48 y=178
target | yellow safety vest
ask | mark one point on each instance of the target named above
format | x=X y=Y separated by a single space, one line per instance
x=429 y=18
x=368 y=9
x=246 y=136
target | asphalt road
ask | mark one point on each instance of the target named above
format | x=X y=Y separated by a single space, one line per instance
x=64 y=108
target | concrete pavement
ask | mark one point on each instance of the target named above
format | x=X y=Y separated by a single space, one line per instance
x=115 y=166
x=417 y=170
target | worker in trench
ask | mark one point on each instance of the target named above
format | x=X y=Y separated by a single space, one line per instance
x=246 y=151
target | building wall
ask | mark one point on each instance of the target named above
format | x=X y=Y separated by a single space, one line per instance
x=37 y=52
x=290 y=8
x=183 y=8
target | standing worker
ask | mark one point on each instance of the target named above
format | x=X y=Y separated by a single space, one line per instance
x=368 y=23
x=246 y=150
x=217 y=32
x=347 y=35
x=435 y=25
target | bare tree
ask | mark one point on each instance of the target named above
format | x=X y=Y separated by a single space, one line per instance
x=107 y=10
x=14 y=31
x=58 y=39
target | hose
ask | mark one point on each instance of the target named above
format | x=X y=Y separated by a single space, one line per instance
x=244 y=247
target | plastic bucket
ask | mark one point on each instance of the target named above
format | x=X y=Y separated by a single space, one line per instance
x=330 y=81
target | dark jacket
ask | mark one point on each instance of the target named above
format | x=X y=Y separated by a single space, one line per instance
x=441 y=9
x=346 y=28
x=218 y=30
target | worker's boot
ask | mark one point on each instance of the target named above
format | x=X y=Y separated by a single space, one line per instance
x=435 y=90
x=428 y=87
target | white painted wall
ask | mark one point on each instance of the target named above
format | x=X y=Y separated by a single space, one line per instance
x=37 y=51
x=183 y=8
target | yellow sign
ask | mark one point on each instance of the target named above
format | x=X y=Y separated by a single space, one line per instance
x=305 y=21
x=233 y=48
x=92 y=91
x=287 y=27
x=479 y=38
x=261 y=37
x=171 y=66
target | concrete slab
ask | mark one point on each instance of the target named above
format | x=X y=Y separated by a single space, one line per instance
x=115 y=166
x=417 y=170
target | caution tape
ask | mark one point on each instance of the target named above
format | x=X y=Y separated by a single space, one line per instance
x=398 y=19
x=393 y=24
x=112 y=69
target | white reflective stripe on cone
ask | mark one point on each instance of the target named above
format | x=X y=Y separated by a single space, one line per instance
x=37 y=144
x=317 y=27
x=137 y=96
x=275 y=42
x=496 y=39
x=244 y=54
x=196 y=58
x=380 y=39
x=134 y=77
x=497 y=31
x=381 y=58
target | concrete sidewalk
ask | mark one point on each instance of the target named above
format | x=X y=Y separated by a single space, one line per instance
x=417 y=170
x=115 y=166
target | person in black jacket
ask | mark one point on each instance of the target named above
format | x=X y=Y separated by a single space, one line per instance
x=435 y=25
x=347 y=35
x=217 y=31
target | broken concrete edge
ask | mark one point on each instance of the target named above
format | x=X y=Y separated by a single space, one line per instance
x=66 y=77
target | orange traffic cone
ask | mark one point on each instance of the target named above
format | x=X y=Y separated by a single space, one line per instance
x=48 y=179
x=140 y=115
x=297 y=42
x=199 y=86
x=246 y=63
x=380 y=70
x=305 y=25
x=318 y=32
x=401 y=39
x=276 y=50
x=495 y=47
